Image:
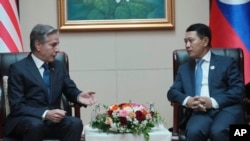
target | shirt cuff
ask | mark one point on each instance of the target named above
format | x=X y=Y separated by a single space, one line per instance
x=77 y=99
x=215 y=105
x=184 y=103
x=44 y=115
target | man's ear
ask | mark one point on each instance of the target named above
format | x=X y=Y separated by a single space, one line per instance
x=38 y=45
x=205 y=41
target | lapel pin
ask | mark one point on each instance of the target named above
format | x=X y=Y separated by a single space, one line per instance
x=212 y=67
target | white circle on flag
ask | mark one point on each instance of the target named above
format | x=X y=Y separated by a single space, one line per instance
x=234 y=2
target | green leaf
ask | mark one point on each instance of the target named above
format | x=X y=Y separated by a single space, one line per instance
x=102 y=6
x=122 y=12
x=138 y=10
x=94 y=15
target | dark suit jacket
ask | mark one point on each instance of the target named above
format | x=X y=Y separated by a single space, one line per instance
x=225 y=83
x=28 y=95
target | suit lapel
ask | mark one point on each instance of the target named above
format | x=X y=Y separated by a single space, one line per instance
x=192 y=76
x=189 y=76
x=211 y=72
x=53 y=81
x=33 y=71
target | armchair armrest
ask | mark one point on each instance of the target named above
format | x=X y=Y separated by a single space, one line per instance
x=175 y=128
x=180 y=116
x=77 y=109
x=73 y=109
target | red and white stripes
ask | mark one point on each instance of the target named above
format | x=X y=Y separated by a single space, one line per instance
x=10 y=33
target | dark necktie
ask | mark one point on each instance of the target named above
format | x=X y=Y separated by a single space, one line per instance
x=198 y=77
x=46 y=77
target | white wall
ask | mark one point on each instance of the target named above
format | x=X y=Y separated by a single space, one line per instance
x=120 y=65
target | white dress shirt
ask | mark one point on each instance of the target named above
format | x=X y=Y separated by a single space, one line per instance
x=204 y=84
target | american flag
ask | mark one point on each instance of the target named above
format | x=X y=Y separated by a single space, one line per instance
x=10 y=33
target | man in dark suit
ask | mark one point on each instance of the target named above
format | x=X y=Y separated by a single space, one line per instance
x=35 y=106
x=218 y=101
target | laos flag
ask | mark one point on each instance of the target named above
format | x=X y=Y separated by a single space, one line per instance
x=230 y=25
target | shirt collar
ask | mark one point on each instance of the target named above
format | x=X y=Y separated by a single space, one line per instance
x=207 y=56
x=37 y=61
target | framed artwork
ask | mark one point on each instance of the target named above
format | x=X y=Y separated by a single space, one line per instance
x=96 y=15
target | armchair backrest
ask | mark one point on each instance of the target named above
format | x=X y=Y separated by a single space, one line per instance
x=181 y=56
x=6 y=59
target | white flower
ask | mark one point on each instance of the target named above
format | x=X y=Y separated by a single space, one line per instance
x=148 y=117
x=128 y=118
x=129 y=109
x=115 y=114
x=144 y=122
x=135 y=122
x=118 y=1
x=113 y=127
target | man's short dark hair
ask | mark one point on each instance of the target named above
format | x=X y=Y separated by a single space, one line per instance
x=202 y=31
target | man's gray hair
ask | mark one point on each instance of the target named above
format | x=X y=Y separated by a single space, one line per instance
x=40 y=33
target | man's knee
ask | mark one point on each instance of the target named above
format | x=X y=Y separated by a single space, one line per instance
x=35 y=125
x=74 y=123
x=195 y=133
x=217 y=133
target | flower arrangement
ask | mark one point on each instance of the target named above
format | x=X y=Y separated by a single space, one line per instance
x=126 y=118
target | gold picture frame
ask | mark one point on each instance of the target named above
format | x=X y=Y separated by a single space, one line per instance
x=67 y=22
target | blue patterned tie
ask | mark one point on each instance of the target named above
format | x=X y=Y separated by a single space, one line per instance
x=198 y=77
x=46 y=77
